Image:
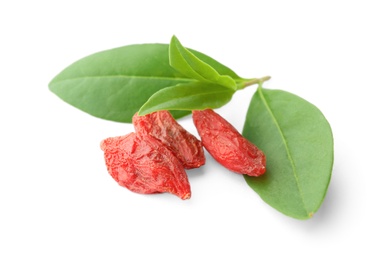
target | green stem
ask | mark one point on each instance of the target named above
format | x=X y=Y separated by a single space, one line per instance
x=250 y=82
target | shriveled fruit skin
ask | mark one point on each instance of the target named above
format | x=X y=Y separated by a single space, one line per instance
x=162 y=126
x=227 y=145
x=144 y=165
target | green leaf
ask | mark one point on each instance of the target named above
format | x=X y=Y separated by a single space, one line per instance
x=297 y=141
x=114 y=84
x=188 y=96
x=188 y=64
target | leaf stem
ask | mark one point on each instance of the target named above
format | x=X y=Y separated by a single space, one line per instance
x=251 y=82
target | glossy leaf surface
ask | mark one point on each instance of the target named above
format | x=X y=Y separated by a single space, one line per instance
x=188 y=64
x=114 y=84
x=188 y=96
x=298 y=144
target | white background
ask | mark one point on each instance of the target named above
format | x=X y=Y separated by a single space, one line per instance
x=57 y=200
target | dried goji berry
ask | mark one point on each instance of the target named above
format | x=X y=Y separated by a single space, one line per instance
x=227 y=145
x=143 y=164
x=162 y=126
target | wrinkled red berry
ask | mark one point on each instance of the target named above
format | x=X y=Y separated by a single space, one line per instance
x=144 y=165
x=162 y=126
x=227 y=145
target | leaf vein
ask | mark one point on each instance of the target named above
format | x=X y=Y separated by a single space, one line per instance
x=123 y=76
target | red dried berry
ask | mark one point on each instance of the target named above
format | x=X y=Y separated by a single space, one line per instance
x=227 y=145
x=144 y=165
x=162 y=126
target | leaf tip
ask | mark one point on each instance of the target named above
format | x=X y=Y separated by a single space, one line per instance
x=174 y=41
x=51 y=83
